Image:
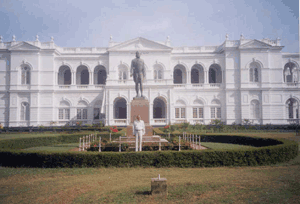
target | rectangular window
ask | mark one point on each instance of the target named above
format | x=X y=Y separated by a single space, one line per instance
x=195 y=113
x=27 y=77
x=67 y=114
x=84 y=115
x=182 y=112
x=176 y=112
x=256 y=74
x=218 y=112
x=60 y=114
x=22 y=112
x=251 y=74
x=200 y=112
x=212 y=112
x=78 y=113
x=96 y=113
x=23 y=77
x=63 y=113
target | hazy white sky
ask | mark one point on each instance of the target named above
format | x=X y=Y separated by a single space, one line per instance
x=88 y=23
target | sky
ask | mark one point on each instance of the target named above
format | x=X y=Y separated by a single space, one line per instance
x=89 y=23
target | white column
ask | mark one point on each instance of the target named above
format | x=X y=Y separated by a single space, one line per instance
x=188 y=80
x=73 y=78
x=90 y=78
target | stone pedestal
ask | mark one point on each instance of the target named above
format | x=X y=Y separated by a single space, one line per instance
x=140 y=106
x=148 y=130
x=159 y=186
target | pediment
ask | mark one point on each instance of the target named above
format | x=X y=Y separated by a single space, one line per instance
x=140 y=44
x=255 y=44
x=24 y=46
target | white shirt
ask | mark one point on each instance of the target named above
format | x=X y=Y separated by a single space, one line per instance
x=138 y=125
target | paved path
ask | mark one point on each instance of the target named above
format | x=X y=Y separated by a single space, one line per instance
x=197 y=147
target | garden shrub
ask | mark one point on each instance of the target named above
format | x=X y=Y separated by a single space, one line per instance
x=157 y=131
x=271 y=151
x=23 y=143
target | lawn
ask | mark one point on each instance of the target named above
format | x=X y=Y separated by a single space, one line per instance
x=267 y=184
x=279 y=183
x=56 y=148
x=46 y=134
x=219 y=146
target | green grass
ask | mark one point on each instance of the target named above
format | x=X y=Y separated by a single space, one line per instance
x=31 y=135
x=278 y=183
x=266 y=184
x=55 y=148
x=219 y=146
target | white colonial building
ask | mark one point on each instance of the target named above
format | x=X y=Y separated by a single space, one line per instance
x=42 y=83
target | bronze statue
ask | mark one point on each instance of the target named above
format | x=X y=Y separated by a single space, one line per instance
x=138 y=72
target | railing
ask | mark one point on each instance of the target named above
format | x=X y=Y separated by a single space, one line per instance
x=82 y=87
x=120 y=121
x=293 y=121
x=215 y=84
x=197 y=85
x=292 y=83
x=161 y=120
x=99 y=86
x=64 y=87
x=180 y=121
x=179 y=85
x=198 y=121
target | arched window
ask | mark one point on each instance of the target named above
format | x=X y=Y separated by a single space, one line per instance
x=123 y=71
x=25 y=75
x=197 y=74
x=64 y=75
x=215 y=109
x=215 y=74
x=120 y=108
x=100 y=75
x=180 y=109
x=64 y=110
x=198 y=109
x=254 y=109
x=292 y=107
x=159 y=108
x=254 y=72
x=158 y=72
x=82 y=111
x=290 y=73
x=179 y=75
x=82 y=75
x=25 y=111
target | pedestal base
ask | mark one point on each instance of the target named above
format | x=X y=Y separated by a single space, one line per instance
x=139 y=106
x=148 y=130
x=159 y=186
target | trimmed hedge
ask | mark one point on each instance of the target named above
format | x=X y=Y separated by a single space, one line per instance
x=281 y=151
x=23 y=143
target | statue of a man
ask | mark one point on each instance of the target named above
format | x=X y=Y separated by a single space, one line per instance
x=138 y=72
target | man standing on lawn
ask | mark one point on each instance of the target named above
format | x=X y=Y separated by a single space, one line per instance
x=138 y=131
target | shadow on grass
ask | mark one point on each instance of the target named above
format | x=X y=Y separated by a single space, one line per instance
x=143 y=192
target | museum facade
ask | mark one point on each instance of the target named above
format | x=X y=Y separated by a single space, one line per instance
x=44 y=84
